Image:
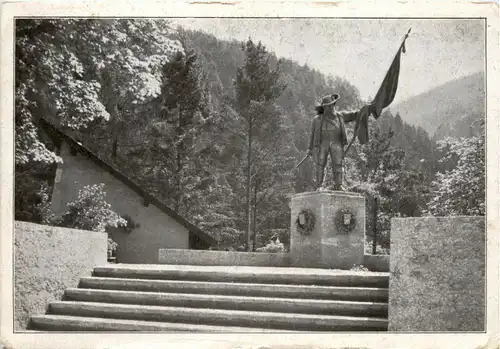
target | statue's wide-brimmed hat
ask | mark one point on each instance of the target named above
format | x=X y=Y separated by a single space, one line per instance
x=327 y=100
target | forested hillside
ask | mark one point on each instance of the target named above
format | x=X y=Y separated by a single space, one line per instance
x=212 y=128
x=454 y=109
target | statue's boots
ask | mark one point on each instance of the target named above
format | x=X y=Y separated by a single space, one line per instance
x=337 y=176
x=320 y=174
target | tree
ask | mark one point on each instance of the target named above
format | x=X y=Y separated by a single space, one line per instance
x=378 y=170
x=181 y=158
x=461 y=189
x=183 y=109
x=349 y=94
x=275 y=157
x=257 y=88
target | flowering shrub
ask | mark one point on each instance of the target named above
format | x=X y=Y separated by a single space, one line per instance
x=112 y=245
x=88 y=212
x=272 y=247
x=91 y=212
x=359 y=268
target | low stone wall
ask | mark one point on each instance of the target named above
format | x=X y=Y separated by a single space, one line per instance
x=376 y=262
x=203 y=257
x=437 y=274
x=48 y=260
x=256 y=259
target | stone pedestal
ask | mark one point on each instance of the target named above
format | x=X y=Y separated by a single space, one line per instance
x=336 y=239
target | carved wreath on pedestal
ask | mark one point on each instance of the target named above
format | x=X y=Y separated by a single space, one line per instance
x=345 y=220
x=305 y=222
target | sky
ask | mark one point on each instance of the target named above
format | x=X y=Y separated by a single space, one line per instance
x=361 y=50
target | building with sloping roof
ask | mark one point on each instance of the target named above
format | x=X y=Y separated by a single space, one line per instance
x=156 y=225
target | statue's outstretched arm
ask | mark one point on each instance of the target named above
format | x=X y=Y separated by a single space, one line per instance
x=349 y=116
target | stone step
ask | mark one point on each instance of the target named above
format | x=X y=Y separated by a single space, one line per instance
x=78 y=323
x=261 y=275
x=371 y=294
x=219 y=317
x=285 y=305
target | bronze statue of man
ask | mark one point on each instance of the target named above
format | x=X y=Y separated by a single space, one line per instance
x=328 y=137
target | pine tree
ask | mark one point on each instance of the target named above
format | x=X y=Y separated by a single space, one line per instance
x=183 y=112
x=257 y=88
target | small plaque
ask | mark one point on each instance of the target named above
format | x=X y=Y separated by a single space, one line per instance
x=305 y=222
x=345 y=220
x=302 y=219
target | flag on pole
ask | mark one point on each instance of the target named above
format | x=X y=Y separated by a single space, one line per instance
x=387 y=90
x=384 y=97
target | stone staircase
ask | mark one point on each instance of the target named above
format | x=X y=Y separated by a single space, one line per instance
x=175 y=298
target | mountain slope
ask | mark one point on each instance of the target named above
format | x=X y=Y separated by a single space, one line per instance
x=451 y=109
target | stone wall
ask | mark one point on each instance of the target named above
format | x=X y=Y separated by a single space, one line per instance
x=156 y=228
x=47 y=260
x=437 y=274
x=201 y=257
x=378 y=263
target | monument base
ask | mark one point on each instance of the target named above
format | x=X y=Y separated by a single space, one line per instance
x=327 y=229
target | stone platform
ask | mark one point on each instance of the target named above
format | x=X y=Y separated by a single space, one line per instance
x=327 y=229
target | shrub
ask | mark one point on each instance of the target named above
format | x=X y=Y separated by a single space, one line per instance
x=112 y=245
x=89 y=211
x=272 y=247
x=359 y=268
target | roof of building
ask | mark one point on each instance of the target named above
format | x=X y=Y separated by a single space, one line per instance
x=53 y=130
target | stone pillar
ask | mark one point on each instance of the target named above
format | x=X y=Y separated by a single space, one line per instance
x=437 y=274
x=327 y=229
